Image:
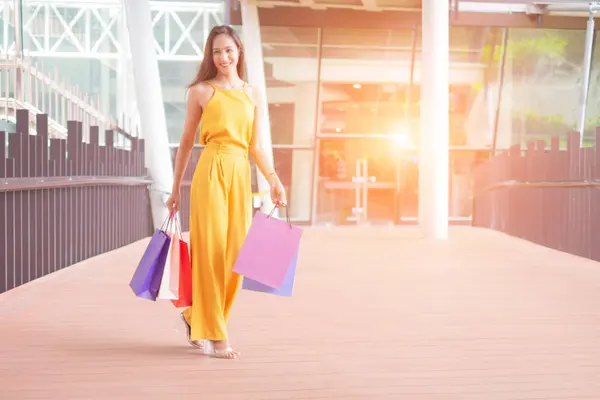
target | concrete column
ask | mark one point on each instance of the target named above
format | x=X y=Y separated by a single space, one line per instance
x=18 y=32
x=305 y=115
x=126 y=107
x=123 y=94
x=434 y=158
x=256 y=77
x=148 y=93
x=590 y=35
x=106 y=82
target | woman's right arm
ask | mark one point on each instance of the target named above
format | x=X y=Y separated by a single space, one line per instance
x=186 y=144
x=192 y=119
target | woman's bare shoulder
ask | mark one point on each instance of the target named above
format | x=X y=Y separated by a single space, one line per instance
x=202 y=89
x=202 y=92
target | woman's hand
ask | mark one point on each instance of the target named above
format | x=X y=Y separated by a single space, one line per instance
x=174 y=201
x=278 y=196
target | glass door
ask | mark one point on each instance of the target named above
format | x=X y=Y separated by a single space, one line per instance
x=363 y=180
x=375 y=180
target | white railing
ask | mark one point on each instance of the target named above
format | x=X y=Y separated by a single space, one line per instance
x=30 y=87
x=94 y=29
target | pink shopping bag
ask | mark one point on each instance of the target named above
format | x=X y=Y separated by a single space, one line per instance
x=268 y=251
x=286 y=289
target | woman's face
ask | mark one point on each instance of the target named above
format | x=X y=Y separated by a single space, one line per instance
x=225 y=54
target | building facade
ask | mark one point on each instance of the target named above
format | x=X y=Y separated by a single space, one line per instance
x=343 y=84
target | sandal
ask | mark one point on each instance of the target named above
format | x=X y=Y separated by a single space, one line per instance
x=188 y=331
x=226 y=353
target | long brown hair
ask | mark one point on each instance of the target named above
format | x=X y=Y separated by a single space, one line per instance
x=208 y=69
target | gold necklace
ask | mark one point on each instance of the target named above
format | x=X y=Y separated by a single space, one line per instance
x=231 y=87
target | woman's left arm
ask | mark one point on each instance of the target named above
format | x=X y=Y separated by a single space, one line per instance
x=258 y=153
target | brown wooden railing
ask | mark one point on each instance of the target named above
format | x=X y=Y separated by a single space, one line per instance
x=548 y=196
x=65 y=200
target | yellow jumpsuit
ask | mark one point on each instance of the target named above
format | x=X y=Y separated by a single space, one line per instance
x=221 y=210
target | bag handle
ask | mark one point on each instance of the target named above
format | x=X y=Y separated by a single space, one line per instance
x=174 y=224
x=287 y=215
x=177 y=224
x=167 y=224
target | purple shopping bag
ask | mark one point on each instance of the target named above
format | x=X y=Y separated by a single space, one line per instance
x=268 y=250
x=286 y=288
x=146 y=279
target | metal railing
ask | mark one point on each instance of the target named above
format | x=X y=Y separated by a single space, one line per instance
x=65 y=200
x=547 y=196
x=30 y=87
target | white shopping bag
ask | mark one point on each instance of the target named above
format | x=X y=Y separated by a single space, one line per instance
x=169 y=284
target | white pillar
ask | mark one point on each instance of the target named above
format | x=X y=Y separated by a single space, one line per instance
x=126 y=108
x=256 y=77
x=106 y=84
x=433 y=160
x=305 y=115
x=18 y=32
x=590 y=34
x=122 y=92
x=148 y=93
x=104 y=92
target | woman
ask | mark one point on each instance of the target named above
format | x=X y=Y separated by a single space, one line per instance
x=221 y=206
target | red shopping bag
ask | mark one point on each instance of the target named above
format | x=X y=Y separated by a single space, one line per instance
x=185 y=277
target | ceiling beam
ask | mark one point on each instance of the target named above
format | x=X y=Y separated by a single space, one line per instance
x=370 y=5
x=359 y=19
x=307 y=3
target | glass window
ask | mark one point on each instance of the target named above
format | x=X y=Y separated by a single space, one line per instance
x=365 y=77
x=593 y=101
x=291 y=72
x=295 y=169
x=174 y=78
x=370 y=106
x=472 y=63
x=542 y=86
x=371 y=87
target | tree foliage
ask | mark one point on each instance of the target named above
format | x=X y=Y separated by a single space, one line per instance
x=543 y=58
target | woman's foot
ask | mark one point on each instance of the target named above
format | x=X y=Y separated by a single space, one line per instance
x=222 y=349
x=198 y=344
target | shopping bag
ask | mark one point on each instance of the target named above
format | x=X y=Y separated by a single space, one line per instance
x=146 y=279
x=268 y=250
x=185 y=277
x=169 y=284
x=286 y=288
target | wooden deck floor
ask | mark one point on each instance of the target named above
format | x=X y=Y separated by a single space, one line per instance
x=378 y=313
